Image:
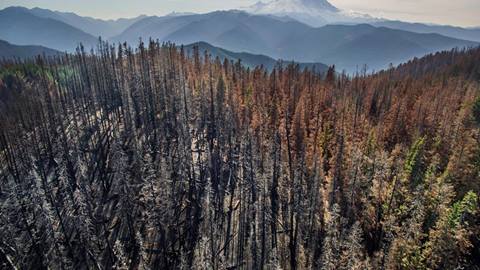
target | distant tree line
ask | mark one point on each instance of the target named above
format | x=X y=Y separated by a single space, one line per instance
x=155 y=158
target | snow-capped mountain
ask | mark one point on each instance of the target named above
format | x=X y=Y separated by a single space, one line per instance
x=312 y=12
x=294 y=6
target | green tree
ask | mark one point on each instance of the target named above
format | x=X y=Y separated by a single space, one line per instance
x=476 y=111
x=449 y=241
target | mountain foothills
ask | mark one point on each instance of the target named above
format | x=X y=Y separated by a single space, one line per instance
x=159 y=158
x=10 y=51
x=451 y=31
x=249 y=60
x=348 y=46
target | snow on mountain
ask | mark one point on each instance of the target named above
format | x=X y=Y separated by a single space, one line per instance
x=295 y=6
x=312 y=12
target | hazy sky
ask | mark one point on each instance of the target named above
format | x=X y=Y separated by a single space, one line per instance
x=453 y=12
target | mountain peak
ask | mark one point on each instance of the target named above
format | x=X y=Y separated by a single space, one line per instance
x=319 y=4
x=312 y=12
x=293 y=6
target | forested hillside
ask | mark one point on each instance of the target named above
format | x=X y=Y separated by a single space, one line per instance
x=149 y=159
x=247 y=59
x=11 y=51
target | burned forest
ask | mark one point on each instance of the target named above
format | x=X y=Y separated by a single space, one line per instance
x=156 y=157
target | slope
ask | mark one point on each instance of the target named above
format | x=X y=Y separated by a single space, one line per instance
x=320 y=12
x=247 y=59
x=93 y=26
x=8 y=50
x=346 y=46
x=20 y=27
x=451 y=31
x=312 y=12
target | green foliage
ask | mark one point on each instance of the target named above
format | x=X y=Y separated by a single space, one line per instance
x=65 y=74
x=449 y=240
x=413 y=258
x=249 y=95
x=27 y=69
x=249 y=91
x=371 y=144
x=24 y=72
x=414 y=163
x=476 y=111
x=468 y=205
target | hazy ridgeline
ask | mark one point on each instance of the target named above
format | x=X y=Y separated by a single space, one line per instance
x=150 y=159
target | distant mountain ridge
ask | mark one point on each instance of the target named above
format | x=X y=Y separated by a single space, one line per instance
x=93 y=26
x=247 y=59
x=347 y=46
x=9 y=51
x=278 y=36
x=19 y=26
x=472 y=34
x=321 y=12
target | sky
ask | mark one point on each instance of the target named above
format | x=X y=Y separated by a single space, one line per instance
x=464 y=13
